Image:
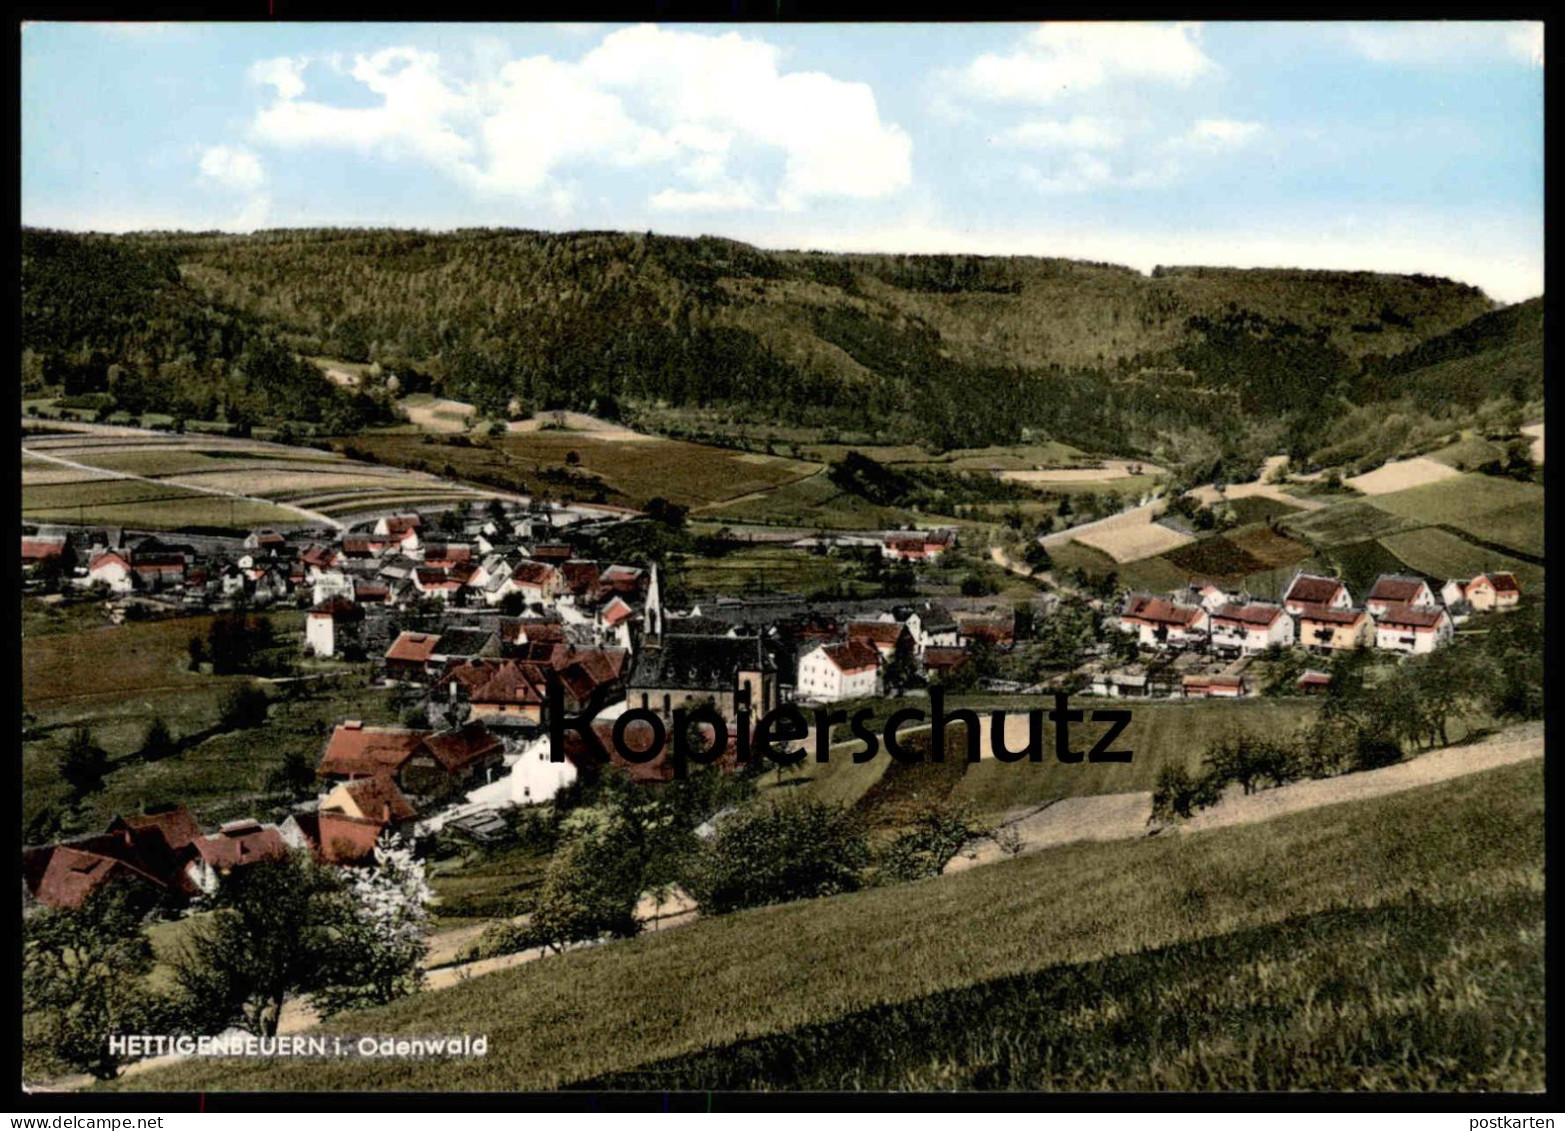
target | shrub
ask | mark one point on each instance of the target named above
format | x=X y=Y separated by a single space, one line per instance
x=773 y=853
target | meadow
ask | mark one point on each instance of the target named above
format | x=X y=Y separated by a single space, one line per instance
x=220 y=774
x=1250 y=930
x=1491 y=509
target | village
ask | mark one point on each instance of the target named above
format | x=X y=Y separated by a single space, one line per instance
x=476 y=613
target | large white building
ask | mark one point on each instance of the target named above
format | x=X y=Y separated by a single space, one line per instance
x=831 y=672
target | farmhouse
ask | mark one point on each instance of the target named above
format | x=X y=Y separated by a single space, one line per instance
x=1391 y=589
x=1251 y=628
x=497 y=689
x=1308 y=591
x=1158 y=623
x=39 y=549
x=1486 y=592
x=421 y=764
x=1330 y=629
x=409 y=658
x=538 y=582
x=832 y=672
x=1412 y=628
x=238 y=844
x=917 y=545
x=113 y=569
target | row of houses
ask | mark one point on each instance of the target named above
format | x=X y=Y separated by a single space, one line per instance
x=1399 y=614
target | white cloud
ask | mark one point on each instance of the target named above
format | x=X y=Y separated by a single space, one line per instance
x=644 y=97
x=232 y=167
x=1212 y=134
x=284 y=75
x=1059 y=59
x=411 y=121
x=1435 y=43
x=1074 y=133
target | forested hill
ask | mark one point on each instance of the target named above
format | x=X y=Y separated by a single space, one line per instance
x=954 y=350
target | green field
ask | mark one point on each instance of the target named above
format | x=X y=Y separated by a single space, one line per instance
x=1442 y=555
x=217 y=774
x=1152 y=574
x=1497 y=510
x=1260 y=508
x=1294 y=953
x=1351 y=520
x=811 y=503
x=1360 y=563
x=767 y=569
x=629 y=472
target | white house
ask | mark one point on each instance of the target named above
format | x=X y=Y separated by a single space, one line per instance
x=534 y=778
x=1391 y=589
x=1485 y=592
x=1406 y=628
x=1308 y=592
x=830 y=672
x=1251 y=628
x=113 y=570
x=332 y=583
x=1159 y=623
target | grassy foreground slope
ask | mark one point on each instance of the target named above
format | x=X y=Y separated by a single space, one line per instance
x=1296 y=953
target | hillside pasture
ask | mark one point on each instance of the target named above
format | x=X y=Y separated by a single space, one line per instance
x=1489 y=508
x=1351 y=520
x=1332 y=1012
x=1442 y=555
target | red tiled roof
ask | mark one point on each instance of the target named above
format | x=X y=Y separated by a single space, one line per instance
x=378 y=798
x=853 y=657
x=402 y=523
x=1322 y=615
x=175 y=824
x=73 y=874
x=535 y=629
x=106 y=557
x=532 y=573
x=945 y=659
x=357 y=750
x=1504 y=582
x=1407 y=616
x=615 y=611
x=498 y=682
x=1395 y=590
x=1261 y=616
x=435 y=579
x=1155 y=611
x=881 y=632
x=1312 y=590
x=241 y=843
x=458 y=750
x=341 y=839
x=581 y=577
x=413 y=647
x=41 y=549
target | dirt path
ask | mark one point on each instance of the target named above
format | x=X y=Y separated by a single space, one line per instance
x=1123 y=816
x=753 y=496
x=104 y=473
x=1536 y=432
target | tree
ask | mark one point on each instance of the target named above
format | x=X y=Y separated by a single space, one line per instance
x=84 y=979
x=156 y=741
x=937 y=835
x=1037 y=558
x=295 y=777
x=197 y=650
x=84 y=764
x=778 y=851
x=380 y=954
x=243 y=708
x=590 y=890
x=274 y=934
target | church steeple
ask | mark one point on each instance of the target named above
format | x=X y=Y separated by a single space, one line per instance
x=652 y=618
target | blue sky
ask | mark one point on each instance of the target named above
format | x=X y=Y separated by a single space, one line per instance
x=1398 y=147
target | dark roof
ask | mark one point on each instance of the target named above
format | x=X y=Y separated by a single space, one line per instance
x=1311 y=589
x=1257 y=614
x=1395 y=588
x=699 y=663
x=463 y=641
